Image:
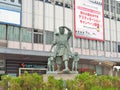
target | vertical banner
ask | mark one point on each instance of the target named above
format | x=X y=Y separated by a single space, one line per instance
x=89 y=19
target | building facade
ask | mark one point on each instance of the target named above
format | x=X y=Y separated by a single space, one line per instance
x=29 y=40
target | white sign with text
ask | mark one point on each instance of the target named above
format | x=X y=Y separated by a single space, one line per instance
x=89 y=19
x=10 y=17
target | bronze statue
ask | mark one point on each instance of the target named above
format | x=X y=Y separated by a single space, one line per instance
x=62 y=50
x=51 y=64
x=75 y=62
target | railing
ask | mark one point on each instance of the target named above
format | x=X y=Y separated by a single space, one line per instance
x=32 y=70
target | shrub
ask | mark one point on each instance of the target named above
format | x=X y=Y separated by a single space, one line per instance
x=84 y=81
x=5 y=82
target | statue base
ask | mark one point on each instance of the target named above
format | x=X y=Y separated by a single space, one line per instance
x=51 y=72
x=66 y=71
x=74 y=72
x=59 y=75
x=62 y=72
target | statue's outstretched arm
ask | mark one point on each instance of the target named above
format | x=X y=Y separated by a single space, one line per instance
x=52 y=46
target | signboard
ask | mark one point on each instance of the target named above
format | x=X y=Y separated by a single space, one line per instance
x=89 y=19
x=10 y=17
x=12 y=74
x=23 y=65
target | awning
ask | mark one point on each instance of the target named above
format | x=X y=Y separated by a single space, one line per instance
x=109 y=64
x=103 y=63
x=116 y=68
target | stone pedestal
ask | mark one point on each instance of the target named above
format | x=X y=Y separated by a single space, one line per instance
x=74 y=72
x=62 y=72
x=60 y=76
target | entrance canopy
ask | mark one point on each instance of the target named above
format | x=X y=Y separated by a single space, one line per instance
x=116 y=68
x=103 y=63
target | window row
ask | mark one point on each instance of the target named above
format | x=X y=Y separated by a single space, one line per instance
x=12 y=1
x=89 y=44
x=68 y=3
x=113 y=6
x=12 y=33
x=97 y=45
x=113 y=16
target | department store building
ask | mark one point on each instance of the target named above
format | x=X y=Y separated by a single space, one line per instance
x=27 y=37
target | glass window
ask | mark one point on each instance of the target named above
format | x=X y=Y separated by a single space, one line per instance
x=12 y=0
x=3 y=32
x=118 y=48
x=107 y=46
x=106 y=7
x=13 y=33
x=114 y=47
x=93 y=45
x=113 y=9
x=100 y=46
x=38 y=37
x=76 y=42
x=49 y=37
x=20 y=1
x=86 y=44
x=118 y=8
x=59 y=2
x=106 y=1
x=80 y=43
x=68 y=3
x=10 y=32
x=112 y=6
x=16 y=35
x=26 y=35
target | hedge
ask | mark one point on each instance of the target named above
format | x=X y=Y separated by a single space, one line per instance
x=84 y=81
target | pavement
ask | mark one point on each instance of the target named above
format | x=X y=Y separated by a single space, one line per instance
x=1 y=88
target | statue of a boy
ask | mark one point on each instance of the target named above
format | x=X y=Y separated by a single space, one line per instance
x=50 y=64
x=75 y=61
x=62 y=51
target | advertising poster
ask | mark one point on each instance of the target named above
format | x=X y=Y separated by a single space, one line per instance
x=89 y=19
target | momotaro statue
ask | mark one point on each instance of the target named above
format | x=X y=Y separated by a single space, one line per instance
x=75 y=62
x=50 y=64
x=62 y=51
